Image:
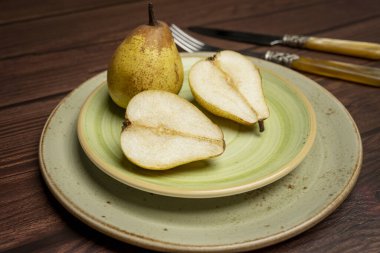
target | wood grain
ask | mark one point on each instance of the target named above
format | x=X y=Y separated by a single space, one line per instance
x=48 y=48
x=25 y=11
x=77 y=29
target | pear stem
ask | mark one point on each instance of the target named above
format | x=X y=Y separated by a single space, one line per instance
x=261 y=125
x=126 y=123
x=211 y=58
x=152 y=19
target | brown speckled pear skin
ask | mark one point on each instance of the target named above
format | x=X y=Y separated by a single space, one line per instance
x=147 y=59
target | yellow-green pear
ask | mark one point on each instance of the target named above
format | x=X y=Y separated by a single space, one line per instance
x=147 y=59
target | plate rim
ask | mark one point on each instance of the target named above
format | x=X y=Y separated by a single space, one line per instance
x=158 y=245
x=213 y=193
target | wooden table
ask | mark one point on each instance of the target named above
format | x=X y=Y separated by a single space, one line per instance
x=47 y=48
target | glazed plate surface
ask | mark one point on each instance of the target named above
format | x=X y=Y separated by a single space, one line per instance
x=251 y=159
x=251 y=220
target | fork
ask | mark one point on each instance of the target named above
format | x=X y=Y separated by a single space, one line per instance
x=340 y=70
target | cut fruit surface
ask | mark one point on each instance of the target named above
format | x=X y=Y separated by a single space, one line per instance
x=229 y=85
x=163 y=131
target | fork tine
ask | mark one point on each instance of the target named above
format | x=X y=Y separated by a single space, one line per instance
x=183 y=42
x=188 y=43
x=187 y=36
x=183 y=46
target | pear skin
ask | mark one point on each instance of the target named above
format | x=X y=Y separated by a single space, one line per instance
x=147 y=59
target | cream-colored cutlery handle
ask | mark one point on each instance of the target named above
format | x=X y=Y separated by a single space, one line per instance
x=346 y=47
x=340 y=70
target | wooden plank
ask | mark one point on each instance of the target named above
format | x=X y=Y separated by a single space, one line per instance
x=20 y=130
x=308 y=21
x=32 y=220
x=25 y=210
x=16 y=11
x=53 y=73
x=41 y=70
x=113 y=23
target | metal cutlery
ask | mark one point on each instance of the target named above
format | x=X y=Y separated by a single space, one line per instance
x=345 y=47
x=336 y=69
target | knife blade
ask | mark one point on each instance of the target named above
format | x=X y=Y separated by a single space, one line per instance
x=254 y=38
x=345 y=47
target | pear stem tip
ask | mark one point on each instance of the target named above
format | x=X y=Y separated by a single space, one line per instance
x=211 y=58
x=126 y=123
x=261 y=125
x=152 y=19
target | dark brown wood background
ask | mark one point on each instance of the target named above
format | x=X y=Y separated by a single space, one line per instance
x=47 y=48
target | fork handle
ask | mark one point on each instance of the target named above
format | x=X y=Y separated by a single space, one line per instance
x=336 y=69
x=346 y=47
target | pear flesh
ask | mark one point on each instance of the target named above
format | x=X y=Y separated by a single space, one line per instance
x=163 y=130
x=147 y=59
x=229 y=85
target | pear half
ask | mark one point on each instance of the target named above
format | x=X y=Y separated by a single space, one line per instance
x=229 y=85
x=163 y=130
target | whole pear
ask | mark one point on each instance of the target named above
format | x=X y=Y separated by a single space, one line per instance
x=147 y=59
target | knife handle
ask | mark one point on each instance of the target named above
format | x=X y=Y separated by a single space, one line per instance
x=336 y=69
x=347 y=47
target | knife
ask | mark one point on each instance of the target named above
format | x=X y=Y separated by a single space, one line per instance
x=345 y=47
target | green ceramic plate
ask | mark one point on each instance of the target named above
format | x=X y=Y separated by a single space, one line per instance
x=245 y=221
x=251 y=159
